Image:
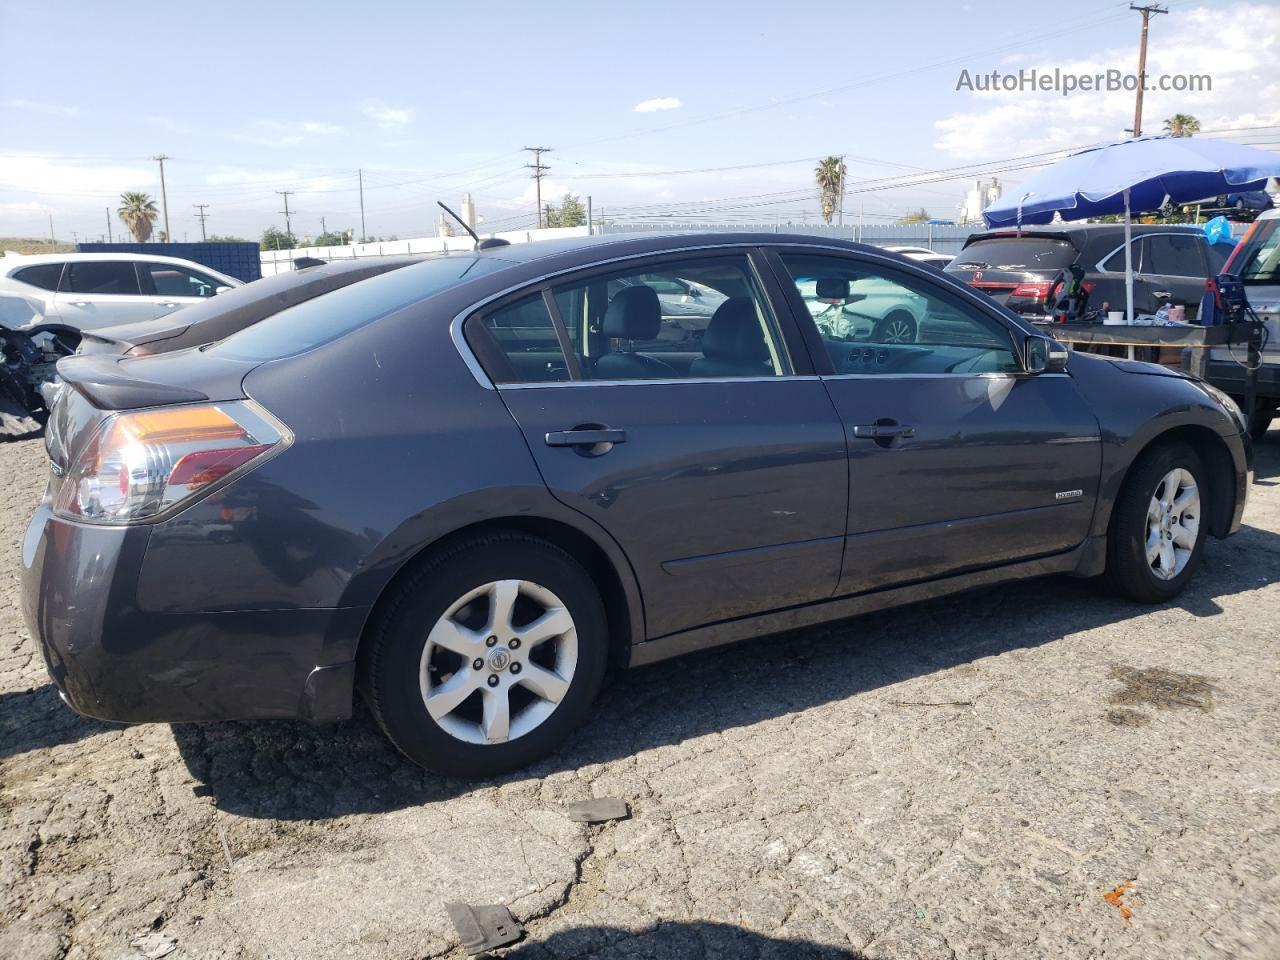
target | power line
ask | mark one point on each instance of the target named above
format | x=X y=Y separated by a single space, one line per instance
x=539 y=169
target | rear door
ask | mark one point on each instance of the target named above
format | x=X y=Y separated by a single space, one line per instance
x=1175 y=266
x=957 y=459
x=711 y=454
x=100 y=293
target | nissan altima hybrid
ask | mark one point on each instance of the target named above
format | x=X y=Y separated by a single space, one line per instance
x=467 y=488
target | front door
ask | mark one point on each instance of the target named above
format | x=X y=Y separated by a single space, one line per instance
x=172 y=287
x=957 y=459
x=712 y=456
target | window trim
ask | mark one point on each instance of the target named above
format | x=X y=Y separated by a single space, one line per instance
x=792 y=343
x=822 y=360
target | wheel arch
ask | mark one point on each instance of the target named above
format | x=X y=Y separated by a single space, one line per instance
x=606 y=566
x=1218 y=462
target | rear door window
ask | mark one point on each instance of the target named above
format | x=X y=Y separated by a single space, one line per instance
x=102 y=277
x=42 y=275
x=171 y=280
x=1175 y=255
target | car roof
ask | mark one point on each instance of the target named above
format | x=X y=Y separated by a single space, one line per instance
x=27 y=260
x=628 y=244
x=1084 y=230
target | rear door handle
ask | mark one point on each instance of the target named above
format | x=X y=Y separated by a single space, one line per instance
x=1162 y=293
x=167 y=303
x=882 y=431
x=81 y=303
x=589 y=438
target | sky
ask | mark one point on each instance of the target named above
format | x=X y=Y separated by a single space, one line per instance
x=686 y=110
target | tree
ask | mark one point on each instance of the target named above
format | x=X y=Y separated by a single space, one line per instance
x=1181 y=125
x=570 y=213
x=915 y=216
x=329 y=240
x=273 y=238
x=215 y=238
x=137 y=212
x=830 y=173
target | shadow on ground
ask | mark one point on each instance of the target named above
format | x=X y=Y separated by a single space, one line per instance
x=287 y=771
x=674 y=940
x=38 y=719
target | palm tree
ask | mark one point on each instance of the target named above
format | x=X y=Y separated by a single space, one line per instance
x=1181 y=125
x=830 y=174
x=137 y=211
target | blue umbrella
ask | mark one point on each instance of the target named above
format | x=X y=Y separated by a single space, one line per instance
x=1135 y=175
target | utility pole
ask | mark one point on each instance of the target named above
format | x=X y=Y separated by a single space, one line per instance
x=53 y=241
x=75 y=237
x=590 y=224
x=164 y=197
x=202 y=207
x=1146 y=12
x=363 y=233
x=323 y=228
x=110 y=238
x=539 y=169
x=286 y=194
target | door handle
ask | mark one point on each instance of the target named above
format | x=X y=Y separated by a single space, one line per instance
x=81 y=303
x=167 y=303
x=585 y=437
x=1162 y=293
x=883 y=431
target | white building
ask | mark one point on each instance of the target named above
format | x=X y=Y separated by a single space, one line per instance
x=981 y=195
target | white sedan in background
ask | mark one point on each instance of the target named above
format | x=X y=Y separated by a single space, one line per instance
x=91 y=290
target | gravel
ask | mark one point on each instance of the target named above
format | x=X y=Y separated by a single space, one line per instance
x=1035 y=770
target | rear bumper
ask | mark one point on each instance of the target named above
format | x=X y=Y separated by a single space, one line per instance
x=112 y=661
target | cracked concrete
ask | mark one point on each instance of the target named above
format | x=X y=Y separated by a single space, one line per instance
x=943 y=781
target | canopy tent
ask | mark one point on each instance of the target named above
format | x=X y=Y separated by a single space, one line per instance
x=1139 y=175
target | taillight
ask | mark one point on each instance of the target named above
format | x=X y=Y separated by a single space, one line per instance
x=142 y=463
x=1032 y=291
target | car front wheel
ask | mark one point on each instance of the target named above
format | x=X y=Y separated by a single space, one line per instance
x=487 y=657
x=1158 y=527
x=897 y=327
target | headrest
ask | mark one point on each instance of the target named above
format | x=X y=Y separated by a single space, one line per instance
x=633 y=314
x=832 y=288
x=734 y=333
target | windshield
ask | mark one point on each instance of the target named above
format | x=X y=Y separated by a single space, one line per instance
x=1258 y=259
x=1015 y=253
x=318 y=321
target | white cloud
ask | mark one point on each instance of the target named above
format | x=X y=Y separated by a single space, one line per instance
x=285 y=133
x=39 y=107
x=1244 y=66
x=657 y=103
x=56 y=178
x=387 y=116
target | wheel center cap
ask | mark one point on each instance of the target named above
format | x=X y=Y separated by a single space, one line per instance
x=499 y=659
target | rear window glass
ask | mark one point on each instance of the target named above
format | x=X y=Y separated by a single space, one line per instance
x=103 y=277
x=1014 y=253
x=318 y=321
x=1258 y=259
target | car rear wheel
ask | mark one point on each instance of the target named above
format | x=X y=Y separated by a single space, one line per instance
x=897 y=327
x=488 y=656
x=1158 y=527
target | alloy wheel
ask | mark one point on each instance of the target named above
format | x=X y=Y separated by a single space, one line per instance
x=1173 y=523
x=897 y=331
x=498 y=662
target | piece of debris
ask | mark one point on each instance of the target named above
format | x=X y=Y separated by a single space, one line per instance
x=597 y=810
x=153 y=946
x=1116 y=899
x=1161 y=688
x=1124 y=717
x=484 y=927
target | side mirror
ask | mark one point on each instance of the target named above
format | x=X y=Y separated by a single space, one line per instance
x=1045 y=355
x=222 y=289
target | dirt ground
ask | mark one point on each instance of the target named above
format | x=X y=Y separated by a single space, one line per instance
x=1028 y=771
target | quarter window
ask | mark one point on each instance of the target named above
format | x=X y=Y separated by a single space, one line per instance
x=103 y=277
x=524 y=334
x=42 y=275
x=881 y=321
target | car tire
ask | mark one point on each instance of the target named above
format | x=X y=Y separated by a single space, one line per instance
x=896 y=327
x=1147 y=516
x=413 y=656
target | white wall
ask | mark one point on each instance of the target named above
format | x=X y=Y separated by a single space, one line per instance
x=281 y=261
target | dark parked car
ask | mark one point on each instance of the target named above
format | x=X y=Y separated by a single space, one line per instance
x=469 y=486
x=236 y=309
x=1024 y=270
